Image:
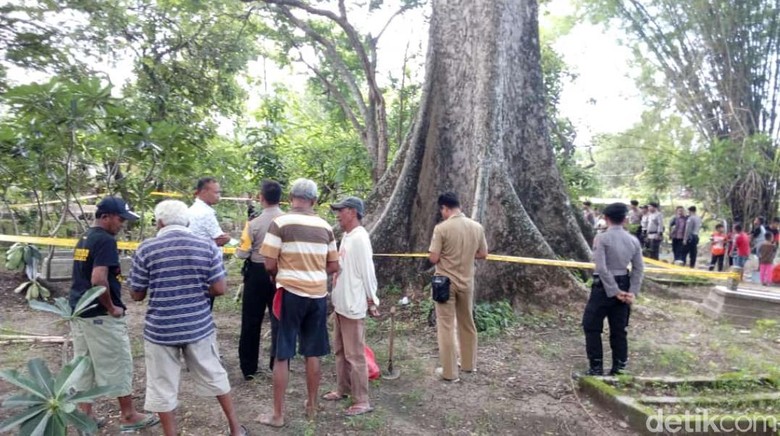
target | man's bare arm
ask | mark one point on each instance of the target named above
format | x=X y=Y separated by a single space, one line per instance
x=100 y=278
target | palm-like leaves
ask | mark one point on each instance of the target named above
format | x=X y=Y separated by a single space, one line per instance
x=62 y=308
x=50 y=402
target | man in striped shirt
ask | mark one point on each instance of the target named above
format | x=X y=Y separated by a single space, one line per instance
x=300 y=251
x=179 y=271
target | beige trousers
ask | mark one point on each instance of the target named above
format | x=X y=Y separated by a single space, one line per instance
x=455 y=317
x=351 y=370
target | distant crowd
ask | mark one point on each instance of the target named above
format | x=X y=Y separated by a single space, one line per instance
x=728 y=246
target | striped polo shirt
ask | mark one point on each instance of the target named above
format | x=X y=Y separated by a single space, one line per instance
x=176 y=269
x=302 y=243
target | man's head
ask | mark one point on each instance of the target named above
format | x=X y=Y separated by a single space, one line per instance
x=349 y=212
x=719 y=227
x=170 y=213
x=111 y=214
x=643 y=209
x=775 y=222
x=679 y=211
x=737 y=228
x=758 y=221
x=769 y=236
x=634 y=203
x=303 y=193
x=615 y=213
x=587 y=204
x=692 y=210
x=208 y=190
x=449 y=204
x=652 y=207
x=270 y=192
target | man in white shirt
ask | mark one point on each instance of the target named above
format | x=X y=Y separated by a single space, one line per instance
x=354 y=293
x=203 y=218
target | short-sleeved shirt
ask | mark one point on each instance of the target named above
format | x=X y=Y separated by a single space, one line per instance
x=176 y=269
x=203 y=220
x=254 y=233
x=96 y=248
x=303 y=244
x=719 y=241
x=457 y=240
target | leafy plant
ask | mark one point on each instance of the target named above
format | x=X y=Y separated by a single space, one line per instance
x=50 y=402
x=62 y=307
x=27 y=256
x=493 y=318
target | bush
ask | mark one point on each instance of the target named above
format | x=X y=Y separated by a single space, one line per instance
x=494 y=318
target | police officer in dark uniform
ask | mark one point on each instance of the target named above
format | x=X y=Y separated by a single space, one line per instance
x=613 y=291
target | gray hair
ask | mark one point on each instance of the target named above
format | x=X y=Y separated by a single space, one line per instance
x=304 y=188
x=172 y=213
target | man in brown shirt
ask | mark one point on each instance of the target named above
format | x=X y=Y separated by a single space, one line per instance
x=456 y=242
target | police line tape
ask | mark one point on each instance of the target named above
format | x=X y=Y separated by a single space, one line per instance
x=133 y=245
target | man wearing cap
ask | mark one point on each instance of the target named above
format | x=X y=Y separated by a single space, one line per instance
x=354 y=293
x=456 y=242
x=655 y=230
x=177 y=270
x=613 y=291
x=299 y=251
x=258 y=287
x=101 y=332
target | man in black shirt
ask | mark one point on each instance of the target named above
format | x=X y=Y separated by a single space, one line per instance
x=101 y=332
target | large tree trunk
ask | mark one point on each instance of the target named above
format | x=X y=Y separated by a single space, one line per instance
x=481 y=131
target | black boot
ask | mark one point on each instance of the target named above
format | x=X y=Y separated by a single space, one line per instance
x=618 y=367
x=596 y=367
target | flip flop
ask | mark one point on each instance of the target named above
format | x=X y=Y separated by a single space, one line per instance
x=101 y=422
x=333 y=396
x=267 y=420
x=149 y=420
x=358 y=410
x=244 y=431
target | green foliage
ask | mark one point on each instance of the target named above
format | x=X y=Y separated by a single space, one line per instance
x=27 y=257
x=61 y=306
x=493 y=318
x=50 y=402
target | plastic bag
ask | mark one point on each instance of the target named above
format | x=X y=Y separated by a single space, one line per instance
x=373 y=368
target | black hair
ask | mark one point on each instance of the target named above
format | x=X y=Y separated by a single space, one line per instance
x=718 y=226
x=761 y=220
x=692 y=209
x=644 y=206
x=769 y=236
x=634 y=203
x=449 y=199
x=271 y=191
x=203 y=181
x=776 y=220
x=737 y=227
x=654 y=204
x=586 y=203
x=616 y=212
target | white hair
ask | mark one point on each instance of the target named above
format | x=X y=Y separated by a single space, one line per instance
x=304 y=188
x=171 y=213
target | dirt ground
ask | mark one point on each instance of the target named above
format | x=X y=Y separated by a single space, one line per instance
x=523 y=386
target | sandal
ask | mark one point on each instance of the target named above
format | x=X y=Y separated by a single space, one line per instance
x=149 y=420
x=358 y=410
x=333 y=396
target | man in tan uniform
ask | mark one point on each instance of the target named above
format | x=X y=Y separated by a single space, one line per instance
x=456 y=242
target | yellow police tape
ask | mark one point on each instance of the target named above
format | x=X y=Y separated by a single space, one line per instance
x=132 y=245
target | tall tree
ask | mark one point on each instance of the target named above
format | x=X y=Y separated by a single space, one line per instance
x=720 y=60
x=482 y=131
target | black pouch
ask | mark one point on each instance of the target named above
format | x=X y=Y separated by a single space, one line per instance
x=440 y=289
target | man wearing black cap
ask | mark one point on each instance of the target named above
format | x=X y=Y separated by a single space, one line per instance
x=354 y=295
x=101 y=332
x=613 y=291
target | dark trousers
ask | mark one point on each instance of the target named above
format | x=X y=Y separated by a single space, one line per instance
x=258 y=296
x=691 y=250
x=617 y=313
x=654 y=248
x=717 y=259
x=678 y=250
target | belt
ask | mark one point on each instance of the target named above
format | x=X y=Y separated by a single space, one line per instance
x=615 y=272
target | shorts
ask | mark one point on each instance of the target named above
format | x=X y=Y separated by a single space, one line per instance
x=163 y=372
x=304 y=317
x=105 y=340
x=740 y=261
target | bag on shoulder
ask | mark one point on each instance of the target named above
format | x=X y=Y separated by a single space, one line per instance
x=440 y=289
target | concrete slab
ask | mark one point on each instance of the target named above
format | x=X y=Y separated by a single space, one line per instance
x=743 y=306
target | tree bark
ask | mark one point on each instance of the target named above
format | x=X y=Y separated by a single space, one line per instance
x=481 y=131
